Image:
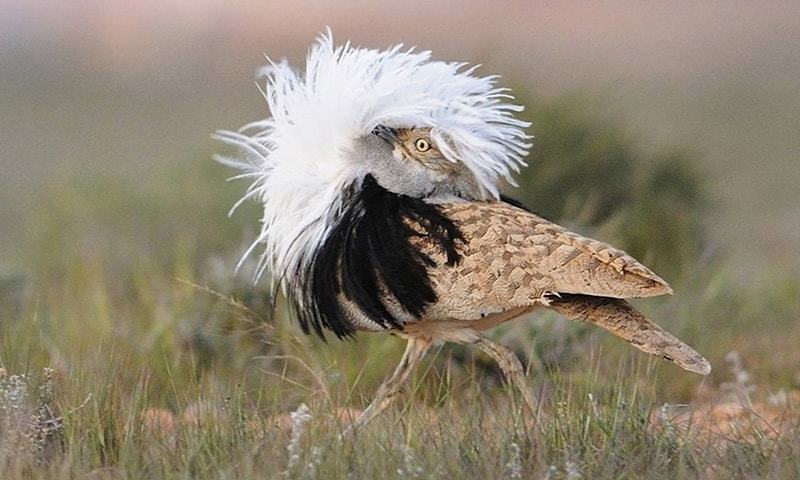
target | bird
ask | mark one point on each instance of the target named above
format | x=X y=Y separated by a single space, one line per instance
x=379 y=172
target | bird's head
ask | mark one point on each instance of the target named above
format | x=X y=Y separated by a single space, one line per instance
x=425 y=129
x=408 y=161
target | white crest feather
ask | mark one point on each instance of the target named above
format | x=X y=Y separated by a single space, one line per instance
x=294 y=156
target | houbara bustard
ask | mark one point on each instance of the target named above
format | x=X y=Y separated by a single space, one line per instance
x=378 y=171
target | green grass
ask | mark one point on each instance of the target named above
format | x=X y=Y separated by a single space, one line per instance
x=145 y=357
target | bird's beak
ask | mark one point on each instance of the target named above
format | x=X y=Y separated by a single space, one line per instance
x=386 y=133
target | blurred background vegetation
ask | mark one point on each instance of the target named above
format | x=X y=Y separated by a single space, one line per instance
x=668 y=131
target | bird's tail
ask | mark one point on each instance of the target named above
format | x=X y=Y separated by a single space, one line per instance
x=620 y=318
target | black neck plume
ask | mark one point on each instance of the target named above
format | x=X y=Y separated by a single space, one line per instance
x=368 y=255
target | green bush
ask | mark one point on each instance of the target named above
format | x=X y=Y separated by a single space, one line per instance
x=590 y=175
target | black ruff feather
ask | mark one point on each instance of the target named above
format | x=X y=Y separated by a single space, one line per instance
x=369 y=252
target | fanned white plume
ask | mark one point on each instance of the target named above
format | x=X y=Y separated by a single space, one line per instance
x=294 y=157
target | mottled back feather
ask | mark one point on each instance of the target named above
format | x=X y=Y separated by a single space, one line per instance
x=513 y=258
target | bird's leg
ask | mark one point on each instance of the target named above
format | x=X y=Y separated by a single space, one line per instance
x=393 y=386
x=511 y=367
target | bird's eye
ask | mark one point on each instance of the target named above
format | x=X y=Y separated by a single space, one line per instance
x=422 y=145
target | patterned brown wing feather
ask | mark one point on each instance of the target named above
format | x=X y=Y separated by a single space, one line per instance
x=513 y=258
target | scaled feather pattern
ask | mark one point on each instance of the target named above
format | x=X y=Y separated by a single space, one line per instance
x=296 y=158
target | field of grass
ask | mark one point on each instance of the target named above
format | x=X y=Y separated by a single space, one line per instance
x=130 y=349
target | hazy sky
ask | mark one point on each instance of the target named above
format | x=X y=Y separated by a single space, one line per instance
x=115 y=87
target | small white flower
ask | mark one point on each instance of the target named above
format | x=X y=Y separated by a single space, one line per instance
x=572 y=470
x=514 y=464
x=411 y=468
x=300 y=417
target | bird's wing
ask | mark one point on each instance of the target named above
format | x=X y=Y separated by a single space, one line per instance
x=512 y=258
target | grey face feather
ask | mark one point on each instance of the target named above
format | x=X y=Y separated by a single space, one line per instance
x=432 y=178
